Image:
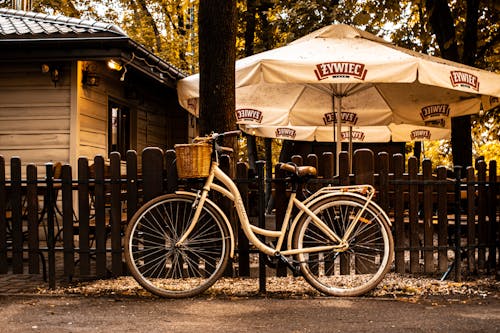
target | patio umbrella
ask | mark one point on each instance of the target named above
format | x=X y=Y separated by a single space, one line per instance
x=342 y=76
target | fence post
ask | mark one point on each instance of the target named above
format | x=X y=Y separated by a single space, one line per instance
x=428 y=227
x=363 y=167
x=116 y=214
x=3 y=219
x=280 y=204
x=17 y=221
x=32 y=201
x=100 y=216
x=262 y=223
x=471 y=221
x=171 y=171
x=132 y=200
x=152 y=172
x=458 y=248
x=67 y=210
x=383 y=177
x=413 y=214
x=326 y=165
x=84 y=215
x=243 y=244
x=226 y=204
x=494 y=224
x=49 y=204
x=442 y=198
x=399 y=227
x=482 y=199
x=344 y=169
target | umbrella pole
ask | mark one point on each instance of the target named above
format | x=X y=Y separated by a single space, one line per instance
x=339 y=132
x=350 y=149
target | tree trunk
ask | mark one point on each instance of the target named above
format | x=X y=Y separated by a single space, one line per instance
x=217 y=39
x=250 y=27
x=443 y=27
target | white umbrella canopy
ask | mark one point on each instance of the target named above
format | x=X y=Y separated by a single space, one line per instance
x=367 y=134
x=341 y=72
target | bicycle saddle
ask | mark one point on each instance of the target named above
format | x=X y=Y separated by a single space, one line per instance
x=300 y=171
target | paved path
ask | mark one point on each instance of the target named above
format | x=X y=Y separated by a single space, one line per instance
x=119 y=314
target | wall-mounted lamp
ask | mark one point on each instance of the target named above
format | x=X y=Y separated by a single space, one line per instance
x=89 y=78
x=55 y=72
x=114 y=65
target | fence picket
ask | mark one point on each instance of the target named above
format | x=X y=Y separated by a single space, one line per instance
x=83 y=216
x=428 y=226
x=442 y=207
x=67 y=202
x=32 y=212
x=17 y=218
x=100 y=217
x=413 y=215
x=116 y=214
x=3 y=219
x=399 y=225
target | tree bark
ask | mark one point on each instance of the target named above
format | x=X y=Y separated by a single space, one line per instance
x=443 y=27
x=217 y=39
x=250 y=27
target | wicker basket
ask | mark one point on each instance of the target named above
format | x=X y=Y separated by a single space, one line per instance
x=193 y=160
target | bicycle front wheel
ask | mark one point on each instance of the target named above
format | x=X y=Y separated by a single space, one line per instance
x=165 y=268
x=360 y=266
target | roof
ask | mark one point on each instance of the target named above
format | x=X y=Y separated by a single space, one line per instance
x=21 y=24
x=37 y=36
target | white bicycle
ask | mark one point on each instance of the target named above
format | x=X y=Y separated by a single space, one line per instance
x=178 y=245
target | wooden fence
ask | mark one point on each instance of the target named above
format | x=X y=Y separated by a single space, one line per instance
x=78 y=224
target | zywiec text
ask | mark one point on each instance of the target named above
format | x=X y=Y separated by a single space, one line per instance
x=350 y=118
x=355 y=135
x=283 y=132
x=340 y=69
x=420 y=134
x=436 y=110
x=249 y=115
x=464 y=79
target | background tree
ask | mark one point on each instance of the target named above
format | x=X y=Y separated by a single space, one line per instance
x=217 y=40
x=464 y=31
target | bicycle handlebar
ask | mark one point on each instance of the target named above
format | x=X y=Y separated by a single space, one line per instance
x=215 y=137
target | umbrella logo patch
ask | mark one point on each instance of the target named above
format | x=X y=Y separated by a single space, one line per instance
x=249 y=115
x=284 y=132
x=436 y=110
x=356 y=135
x=420 y=134
x=340 y=69
x=464 y=79
x=346 y=118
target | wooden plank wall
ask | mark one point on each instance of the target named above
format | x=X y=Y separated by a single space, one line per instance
x=34 y=114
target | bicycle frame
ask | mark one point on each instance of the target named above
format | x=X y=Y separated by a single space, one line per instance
x=232 y=193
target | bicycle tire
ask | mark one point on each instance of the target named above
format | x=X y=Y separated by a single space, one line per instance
x=367 y=259
x=173 y=271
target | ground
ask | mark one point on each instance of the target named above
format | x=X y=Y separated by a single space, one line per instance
x=399 y=303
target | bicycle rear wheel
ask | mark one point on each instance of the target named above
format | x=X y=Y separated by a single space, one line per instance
x=173 y=271
x=368 y=257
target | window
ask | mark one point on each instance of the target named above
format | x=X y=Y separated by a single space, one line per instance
x=118 y=129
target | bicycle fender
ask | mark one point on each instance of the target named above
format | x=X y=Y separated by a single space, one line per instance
x=226 y=220
x=321 y=197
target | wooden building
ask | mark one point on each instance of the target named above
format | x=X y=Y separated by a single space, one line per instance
x=60 y=99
